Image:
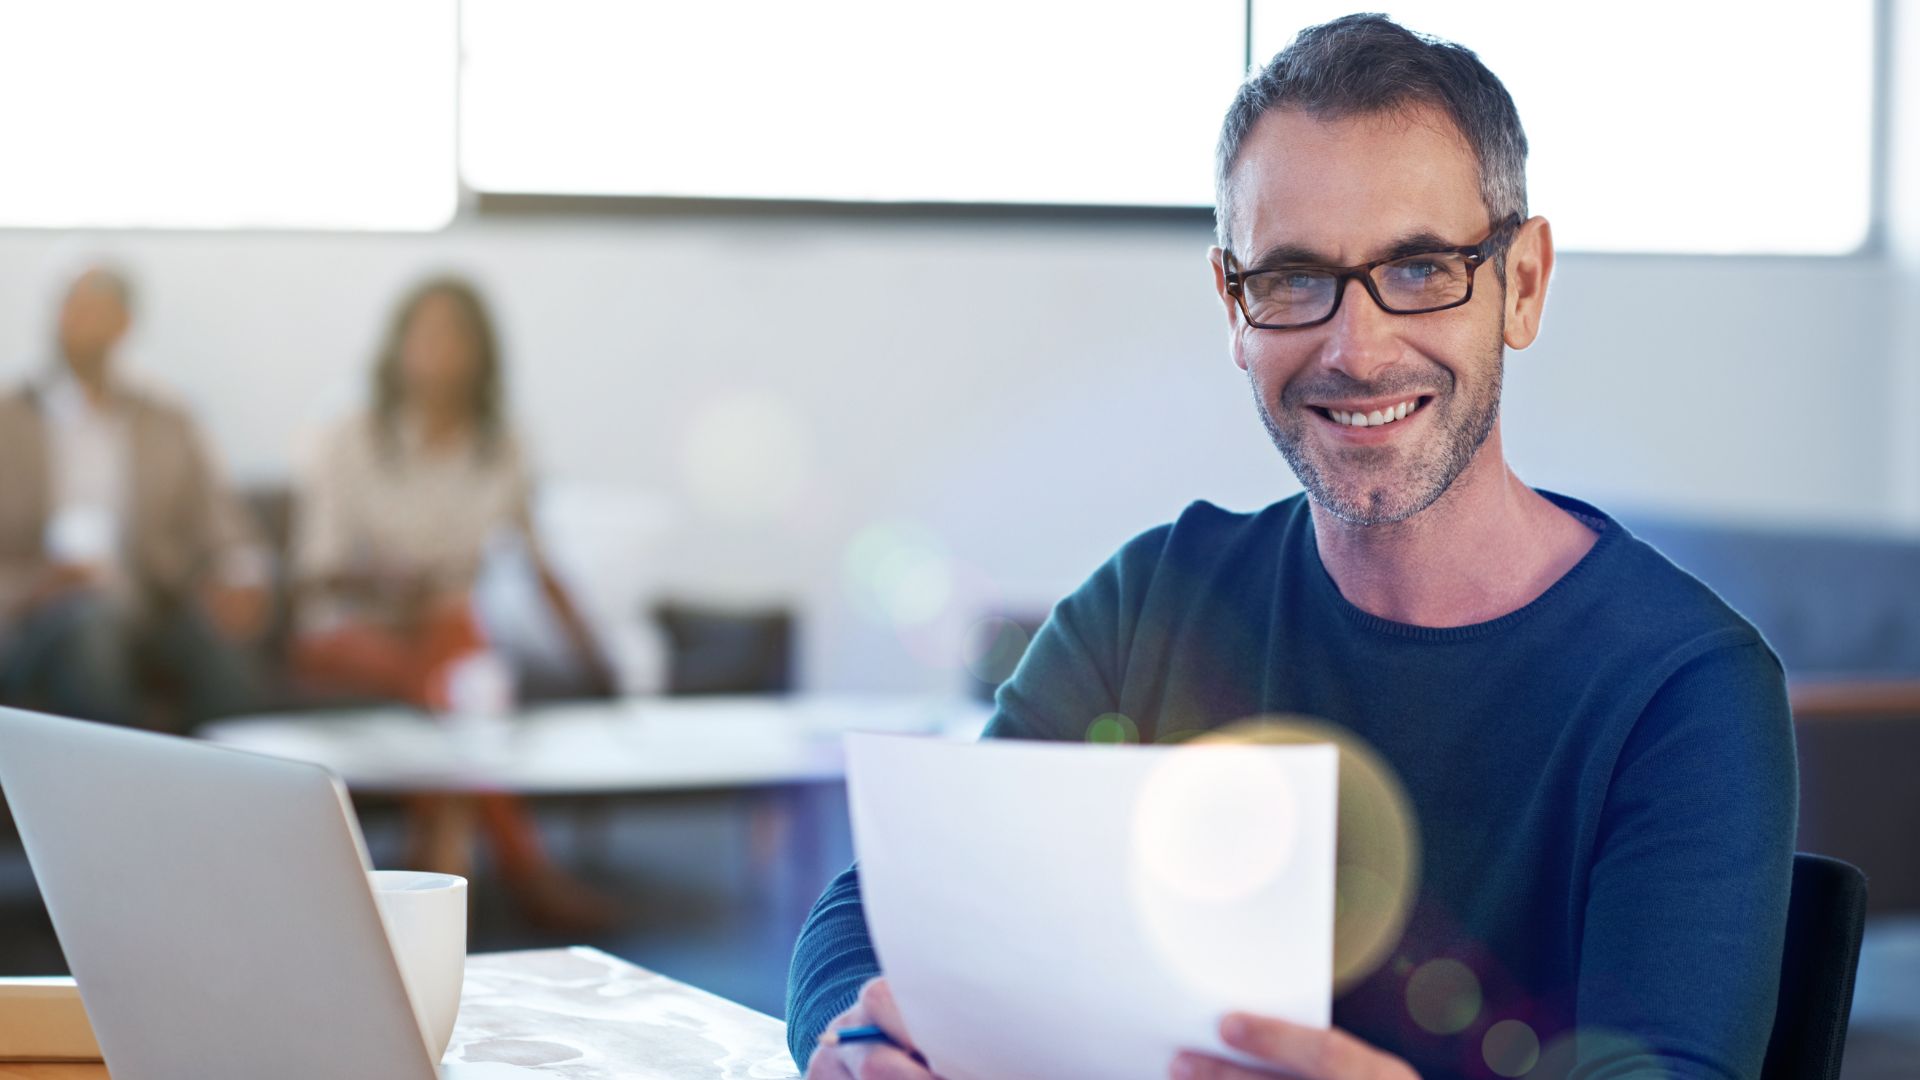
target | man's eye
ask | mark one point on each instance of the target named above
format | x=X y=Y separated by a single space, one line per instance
x=1297 y=280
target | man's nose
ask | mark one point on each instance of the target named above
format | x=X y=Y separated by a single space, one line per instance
x=1359 y=338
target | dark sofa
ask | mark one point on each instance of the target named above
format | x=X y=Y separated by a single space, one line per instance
x=1842 y=610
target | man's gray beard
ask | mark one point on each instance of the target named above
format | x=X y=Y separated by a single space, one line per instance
x=1462 y=441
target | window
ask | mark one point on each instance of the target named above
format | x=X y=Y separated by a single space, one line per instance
x=1016 y=101
x=1670 y=127
x=1656 y=126
x=222 y=113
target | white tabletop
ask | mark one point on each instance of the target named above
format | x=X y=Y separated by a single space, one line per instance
x=570 y=1014
x=633 y=745
x=579 y=1014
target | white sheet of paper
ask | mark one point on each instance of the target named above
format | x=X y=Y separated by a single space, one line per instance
x=1047 y=911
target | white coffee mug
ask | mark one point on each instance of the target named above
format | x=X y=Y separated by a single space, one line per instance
x=426 y=918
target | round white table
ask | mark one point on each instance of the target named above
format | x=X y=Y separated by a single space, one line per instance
x=779 y=751
x=629 y=746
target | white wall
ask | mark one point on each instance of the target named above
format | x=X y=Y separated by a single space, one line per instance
x=1025 y=394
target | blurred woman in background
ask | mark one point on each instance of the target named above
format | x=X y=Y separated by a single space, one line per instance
x=392 y=525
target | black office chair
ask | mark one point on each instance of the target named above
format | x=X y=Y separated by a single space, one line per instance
x=1824 y=920
x=1002 y=652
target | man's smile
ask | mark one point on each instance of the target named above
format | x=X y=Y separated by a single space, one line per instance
x=1370 y=422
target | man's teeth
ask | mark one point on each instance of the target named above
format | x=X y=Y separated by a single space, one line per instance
x=1374 y=418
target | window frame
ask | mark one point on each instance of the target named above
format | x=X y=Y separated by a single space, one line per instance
x=485 y=205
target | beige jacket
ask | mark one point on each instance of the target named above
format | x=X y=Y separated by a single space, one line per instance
x=182 y=520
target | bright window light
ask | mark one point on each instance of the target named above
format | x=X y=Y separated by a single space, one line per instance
x=1015 y=101
x=228 y=113
x=1658 y=126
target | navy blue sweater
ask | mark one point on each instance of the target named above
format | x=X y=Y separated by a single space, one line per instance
x=1604 y=784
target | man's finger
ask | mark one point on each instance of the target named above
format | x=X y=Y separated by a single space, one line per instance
x=1311 y=1053
x=826 y=1065
x=877 y=999
x=878 y=1061
x=1191 y=1066
x=855 y=1016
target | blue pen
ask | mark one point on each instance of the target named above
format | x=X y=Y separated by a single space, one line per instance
x=869 y=1033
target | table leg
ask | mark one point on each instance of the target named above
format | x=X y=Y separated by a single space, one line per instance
x=441 y=831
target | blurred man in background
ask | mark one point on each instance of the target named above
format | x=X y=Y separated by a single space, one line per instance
x=129 y=576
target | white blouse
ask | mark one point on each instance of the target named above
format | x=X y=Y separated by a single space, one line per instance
x=373 y=505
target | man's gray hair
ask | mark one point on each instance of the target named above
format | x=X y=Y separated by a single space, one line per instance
x=1358 y=65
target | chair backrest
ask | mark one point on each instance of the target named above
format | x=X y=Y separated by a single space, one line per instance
x=1824 y=921
x=993 y=659
x=712 y=650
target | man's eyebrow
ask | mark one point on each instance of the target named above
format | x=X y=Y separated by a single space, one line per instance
x=1411 y=243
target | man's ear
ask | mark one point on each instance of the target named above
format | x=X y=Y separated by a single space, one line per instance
x=1529 y=265
x=1217 y=258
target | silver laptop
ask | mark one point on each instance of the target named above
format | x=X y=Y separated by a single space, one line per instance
x=213 y=906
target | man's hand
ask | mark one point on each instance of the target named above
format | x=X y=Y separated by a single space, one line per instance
x=869 y=1060
x=1304 y=1052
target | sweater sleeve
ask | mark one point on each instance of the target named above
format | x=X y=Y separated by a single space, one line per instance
x=1063 y=682
x=1687 y=902
x=832 y=960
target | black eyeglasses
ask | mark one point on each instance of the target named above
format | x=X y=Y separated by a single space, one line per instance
x=1295 y=297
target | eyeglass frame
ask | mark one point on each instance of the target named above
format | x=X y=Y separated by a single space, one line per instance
x=1476 y=254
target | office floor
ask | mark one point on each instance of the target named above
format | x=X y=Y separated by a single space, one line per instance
x=701 y=908
x=1883 y=1041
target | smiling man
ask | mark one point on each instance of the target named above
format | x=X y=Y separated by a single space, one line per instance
x=1598 y=751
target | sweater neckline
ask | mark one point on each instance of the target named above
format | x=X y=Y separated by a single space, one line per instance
x=1610 y=533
